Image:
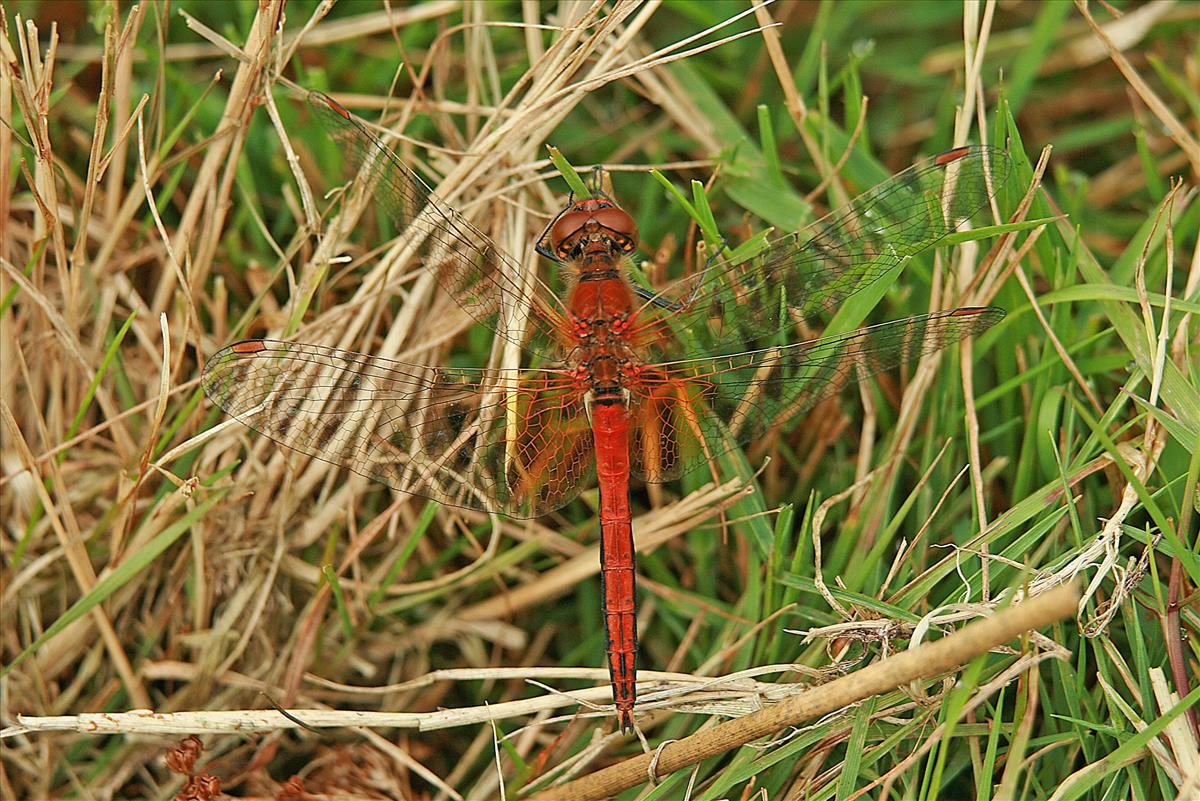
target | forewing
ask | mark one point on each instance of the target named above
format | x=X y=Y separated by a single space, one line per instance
x=803 y=274
x=689 y=411
x=509 y=441
x=481 y=277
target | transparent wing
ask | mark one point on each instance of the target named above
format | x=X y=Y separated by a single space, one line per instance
x=482 y=278
x=688 y=411
x=509 y=441
x=803 y=274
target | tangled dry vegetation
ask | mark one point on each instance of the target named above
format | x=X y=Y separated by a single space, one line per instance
x=166 y=194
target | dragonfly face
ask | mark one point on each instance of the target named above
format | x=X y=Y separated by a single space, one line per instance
x=591 y=226
x=610 y=389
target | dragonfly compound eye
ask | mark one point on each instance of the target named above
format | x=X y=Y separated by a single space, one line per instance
x=620 y=224
x=564 y=230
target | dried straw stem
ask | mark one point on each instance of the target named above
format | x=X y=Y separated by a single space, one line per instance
x=922 y=662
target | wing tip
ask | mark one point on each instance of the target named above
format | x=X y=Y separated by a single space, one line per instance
x=322 y=99
x=218 y=364
x=979 y=318
x=973 y=311
x=998 y=160
x=248 y=346
x=951 y=156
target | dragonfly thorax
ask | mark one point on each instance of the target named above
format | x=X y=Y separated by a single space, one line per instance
x=607 y=375
x=602 y=331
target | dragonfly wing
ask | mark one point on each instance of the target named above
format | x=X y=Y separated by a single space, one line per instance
x=803 y=274
x=481 y=277
x=692 y=410
x=510 y=441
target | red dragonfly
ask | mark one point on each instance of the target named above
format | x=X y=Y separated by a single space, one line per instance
x=621 y=379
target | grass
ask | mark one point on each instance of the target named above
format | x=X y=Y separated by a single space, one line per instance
x=174 y=197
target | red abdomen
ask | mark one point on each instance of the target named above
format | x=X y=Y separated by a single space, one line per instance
x=610 y=428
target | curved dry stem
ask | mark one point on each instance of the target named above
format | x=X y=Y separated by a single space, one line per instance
x=928 y=660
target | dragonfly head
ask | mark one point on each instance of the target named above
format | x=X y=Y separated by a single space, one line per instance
x=589 y=225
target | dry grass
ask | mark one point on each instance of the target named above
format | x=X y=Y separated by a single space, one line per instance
x=174 y=196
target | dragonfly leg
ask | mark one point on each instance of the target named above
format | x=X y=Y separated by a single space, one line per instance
x=673 y=306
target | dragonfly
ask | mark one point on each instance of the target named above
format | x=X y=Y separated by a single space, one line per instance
x=618 y=379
